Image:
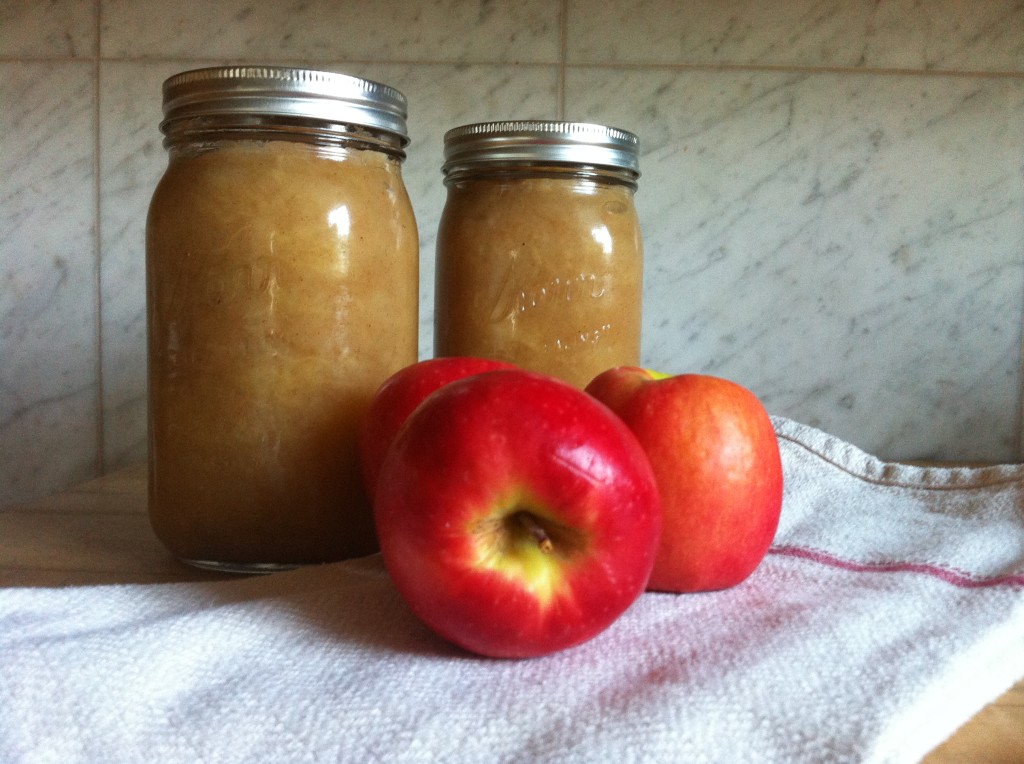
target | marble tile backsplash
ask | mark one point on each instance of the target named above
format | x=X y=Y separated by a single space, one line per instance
x=832 y=194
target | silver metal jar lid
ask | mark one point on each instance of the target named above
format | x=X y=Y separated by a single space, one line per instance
x=541 y=141
x=285 y=91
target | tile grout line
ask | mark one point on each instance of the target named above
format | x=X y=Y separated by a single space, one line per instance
x=1018 y=432
x=877 y=71
x=562 y=63
x=100 y=460
x=563 y=46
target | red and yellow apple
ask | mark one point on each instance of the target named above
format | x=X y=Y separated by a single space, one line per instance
x=517 y=516
x=398 y=396
x=716 y=458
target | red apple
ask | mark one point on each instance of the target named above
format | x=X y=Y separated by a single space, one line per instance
x=516 y=515
x=398 y=396
x=716 y=458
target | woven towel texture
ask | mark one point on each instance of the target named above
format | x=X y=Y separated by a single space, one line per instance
x=889 y=611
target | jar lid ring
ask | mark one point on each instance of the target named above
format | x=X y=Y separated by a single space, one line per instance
x=532 y=141
x=283 y=91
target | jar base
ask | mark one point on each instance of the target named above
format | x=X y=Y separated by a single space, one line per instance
x=243 y=568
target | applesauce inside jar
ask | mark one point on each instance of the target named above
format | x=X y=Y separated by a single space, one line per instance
x=282 y=289
x=539 y=253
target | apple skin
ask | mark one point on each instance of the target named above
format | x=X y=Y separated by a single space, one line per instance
x=716 y=458
x=517 y=516
x=399 y=395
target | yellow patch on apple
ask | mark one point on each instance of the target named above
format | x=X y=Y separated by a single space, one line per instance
x=526 y=546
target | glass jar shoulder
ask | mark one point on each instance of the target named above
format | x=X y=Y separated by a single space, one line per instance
x=538 y=194
x=549 y=214
x=237 y=190
x=279 y=169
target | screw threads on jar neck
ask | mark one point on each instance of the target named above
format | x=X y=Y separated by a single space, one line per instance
x=457 y=174
x=207 y=131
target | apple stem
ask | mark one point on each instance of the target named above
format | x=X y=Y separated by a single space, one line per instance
x=534 y=529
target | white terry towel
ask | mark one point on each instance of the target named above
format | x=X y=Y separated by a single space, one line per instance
x=890 y=610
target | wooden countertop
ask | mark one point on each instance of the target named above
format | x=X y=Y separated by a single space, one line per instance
x=98 y=533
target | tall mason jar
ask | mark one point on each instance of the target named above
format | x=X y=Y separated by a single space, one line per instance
x=282 y=289
x=539 y=251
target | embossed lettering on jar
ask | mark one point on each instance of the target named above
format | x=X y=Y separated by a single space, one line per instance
x=281 y=216
x=539 y=252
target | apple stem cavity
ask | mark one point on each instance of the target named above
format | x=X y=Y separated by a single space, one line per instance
x=531 y=526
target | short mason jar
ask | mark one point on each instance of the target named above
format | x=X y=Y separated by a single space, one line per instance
x=282 y=268
x=539 y=254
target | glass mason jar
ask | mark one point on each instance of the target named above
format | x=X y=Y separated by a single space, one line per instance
x=539 y=252
x=282 y=267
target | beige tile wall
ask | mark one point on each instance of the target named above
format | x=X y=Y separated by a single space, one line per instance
x=832 y=198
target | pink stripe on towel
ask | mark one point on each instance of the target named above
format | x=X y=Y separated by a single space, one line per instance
x=952 y=576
